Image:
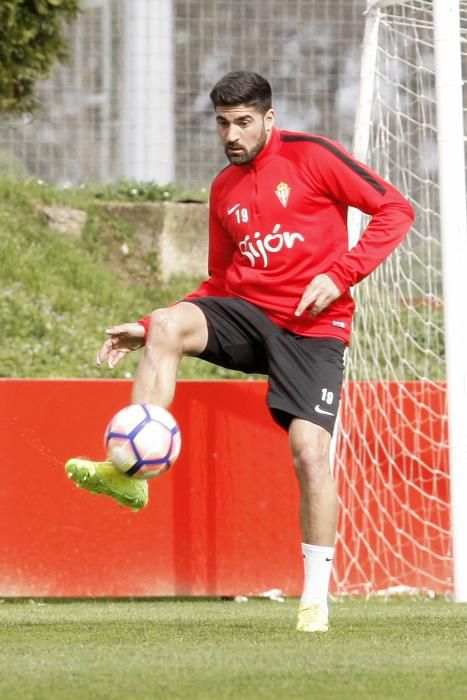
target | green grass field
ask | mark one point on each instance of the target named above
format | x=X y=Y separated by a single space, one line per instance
x=220 y=649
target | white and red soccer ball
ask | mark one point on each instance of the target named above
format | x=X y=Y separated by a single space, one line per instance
x=142 y=440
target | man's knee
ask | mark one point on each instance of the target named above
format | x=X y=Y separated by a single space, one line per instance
x=311 y=456
x=181 y=328
x=164 y=330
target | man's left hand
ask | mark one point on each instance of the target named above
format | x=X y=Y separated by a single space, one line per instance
x=318 y=295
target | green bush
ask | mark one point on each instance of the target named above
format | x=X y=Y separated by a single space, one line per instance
x=31 y=42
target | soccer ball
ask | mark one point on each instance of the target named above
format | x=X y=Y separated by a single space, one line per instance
x=143 y=440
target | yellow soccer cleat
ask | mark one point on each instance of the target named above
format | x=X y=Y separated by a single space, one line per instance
x=103 y=478
x=311 y=618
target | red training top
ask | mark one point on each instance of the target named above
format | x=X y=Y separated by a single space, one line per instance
x=276 y=223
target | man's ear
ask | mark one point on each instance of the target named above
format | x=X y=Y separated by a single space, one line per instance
x=269 y=119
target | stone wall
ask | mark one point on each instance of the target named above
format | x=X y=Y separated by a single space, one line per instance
x=175 y=233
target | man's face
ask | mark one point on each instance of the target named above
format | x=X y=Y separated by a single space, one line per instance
x=244 y=131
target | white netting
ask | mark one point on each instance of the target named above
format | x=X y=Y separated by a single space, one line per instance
x=392 y=458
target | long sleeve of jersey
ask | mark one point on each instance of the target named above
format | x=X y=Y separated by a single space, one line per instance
x=346 y=180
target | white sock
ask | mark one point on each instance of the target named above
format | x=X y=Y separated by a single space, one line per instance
x=318 y=564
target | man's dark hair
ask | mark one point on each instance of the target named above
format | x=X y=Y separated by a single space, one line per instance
x=242 y=87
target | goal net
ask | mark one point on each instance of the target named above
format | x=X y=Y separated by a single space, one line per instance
x=392 y=454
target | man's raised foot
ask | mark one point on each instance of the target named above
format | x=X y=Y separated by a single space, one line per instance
x=103 y=478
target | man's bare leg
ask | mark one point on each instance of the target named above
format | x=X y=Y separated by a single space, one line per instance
x=176 y=331
x=310 y=445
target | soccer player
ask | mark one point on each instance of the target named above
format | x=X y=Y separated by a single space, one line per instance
x=277 y=300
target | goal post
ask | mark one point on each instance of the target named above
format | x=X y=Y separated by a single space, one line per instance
x=401 y=453
x=452 y=186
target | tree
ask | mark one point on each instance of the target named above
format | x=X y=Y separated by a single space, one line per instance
x=31 y=42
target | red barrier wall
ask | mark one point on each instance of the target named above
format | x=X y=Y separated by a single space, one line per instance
x=223 y=521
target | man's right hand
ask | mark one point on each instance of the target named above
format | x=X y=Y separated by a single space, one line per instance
x=123 y=339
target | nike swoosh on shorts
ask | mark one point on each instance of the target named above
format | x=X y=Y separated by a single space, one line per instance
x=321 y=410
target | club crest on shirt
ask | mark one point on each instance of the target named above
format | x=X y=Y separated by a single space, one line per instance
x=282 y=192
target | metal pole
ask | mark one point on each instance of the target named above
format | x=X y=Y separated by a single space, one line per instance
x=361 y=142
x=147 y=115
x=449 y=104
x=364 y=107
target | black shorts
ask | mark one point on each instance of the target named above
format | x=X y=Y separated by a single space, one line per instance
x=305 y=374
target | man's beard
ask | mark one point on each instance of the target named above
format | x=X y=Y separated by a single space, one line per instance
x=241 y=156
